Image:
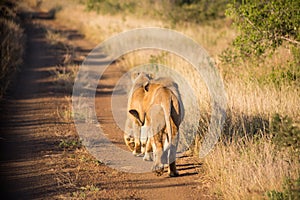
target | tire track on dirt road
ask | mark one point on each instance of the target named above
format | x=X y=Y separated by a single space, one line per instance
x=26 y=120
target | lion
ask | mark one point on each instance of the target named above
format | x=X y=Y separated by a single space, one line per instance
x=159 y=114
x=163 y=116
x=135 y=101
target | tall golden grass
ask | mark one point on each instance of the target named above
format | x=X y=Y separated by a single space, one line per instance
x=245 y=164
x=249 y=169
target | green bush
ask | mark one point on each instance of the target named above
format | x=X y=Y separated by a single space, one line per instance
x=282 y=75
x=264 y=26
x=111 y=6
x=197 y=11
x=285 y=133
x=174 y=11
x=291 y=190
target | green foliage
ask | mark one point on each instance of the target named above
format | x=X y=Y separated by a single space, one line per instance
x=197 y=11
x=173 y=11
x=291 y=190
x=285 y=133
x=296 y=54
x=111 y=6
x=264 y=26
x=70 y=144
x=282 y=75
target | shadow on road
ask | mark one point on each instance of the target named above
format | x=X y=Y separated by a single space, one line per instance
x=29 y=122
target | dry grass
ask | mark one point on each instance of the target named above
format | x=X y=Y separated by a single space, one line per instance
x=55 y=38
x=242 y=167
x=248 y=169
x=65 y=76
x=12 y=46
x=247 y=165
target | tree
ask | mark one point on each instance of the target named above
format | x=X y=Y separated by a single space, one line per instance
x=264 y=25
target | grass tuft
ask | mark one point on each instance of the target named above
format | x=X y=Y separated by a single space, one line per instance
x=12 y=40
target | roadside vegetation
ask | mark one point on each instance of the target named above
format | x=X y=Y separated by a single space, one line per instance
x=258 y=58
x=12 y=44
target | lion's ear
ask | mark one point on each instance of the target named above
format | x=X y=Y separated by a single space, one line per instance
x=136 y=115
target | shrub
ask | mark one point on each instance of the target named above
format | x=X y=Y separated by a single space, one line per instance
x=111 y=6
x=197 y=11
x=264 y=26
x=285 y=133
x=172 y=11
x=291 y=190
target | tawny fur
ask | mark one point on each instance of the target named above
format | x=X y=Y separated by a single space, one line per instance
x=155 y=104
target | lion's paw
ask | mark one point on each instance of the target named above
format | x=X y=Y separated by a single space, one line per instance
x=158 y=169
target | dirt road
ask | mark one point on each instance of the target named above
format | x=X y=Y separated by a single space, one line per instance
x=41 y=156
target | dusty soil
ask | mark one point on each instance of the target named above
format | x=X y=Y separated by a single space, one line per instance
x=41 y=156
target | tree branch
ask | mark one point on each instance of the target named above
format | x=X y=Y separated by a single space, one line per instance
x=290 y=40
